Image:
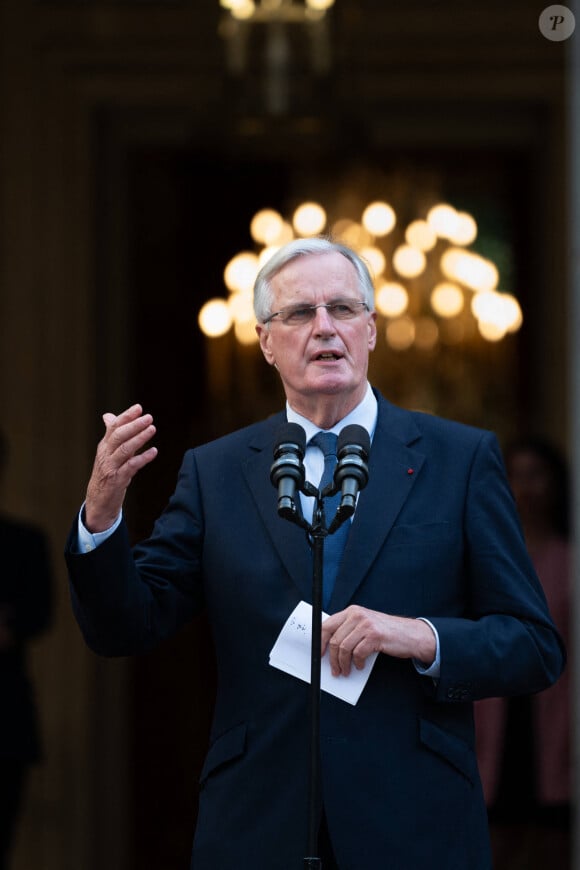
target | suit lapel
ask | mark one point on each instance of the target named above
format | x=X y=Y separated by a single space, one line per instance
x=289 y=540
x=394 y=467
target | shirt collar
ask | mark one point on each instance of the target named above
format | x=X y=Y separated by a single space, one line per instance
x=365 y=414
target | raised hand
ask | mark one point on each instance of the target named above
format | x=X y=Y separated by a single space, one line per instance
x=120 y=455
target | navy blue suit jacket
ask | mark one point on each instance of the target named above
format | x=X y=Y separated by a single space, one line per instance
x=435 y=534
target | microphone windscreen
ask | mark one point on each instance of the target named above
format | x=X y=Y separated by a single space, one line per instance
x=291 y=433
x=353 y=435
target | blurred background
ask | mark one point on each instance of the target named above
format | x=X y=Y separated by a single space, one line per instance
x=139 y=140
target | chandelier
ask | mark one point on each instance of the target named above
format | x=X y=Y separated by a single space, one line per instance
x=270 y=45
x=287 y=11
x=431 y=285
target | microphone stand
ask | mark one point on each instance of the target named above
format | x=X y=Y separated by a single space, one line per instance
x=317 y=531
x=351 y=474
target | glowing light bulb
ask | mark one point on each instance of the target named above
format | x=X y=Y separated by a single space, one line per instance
x=490 y=331
x=420 y=235
x=442 y=219
x=309 y=219
x=409 y=262
x=266 y=226
x=215 y=318
x=379 y=218
x=513 y=313
x=391 y=299
x=240 y=273
x=470 y=269
x=465 y=230
x=447 y=299
x=242 y=10
x=320 y=5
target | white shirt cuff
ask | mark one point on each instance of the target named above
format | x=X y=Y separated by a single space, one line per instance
x=87 y=541
x=434 y=669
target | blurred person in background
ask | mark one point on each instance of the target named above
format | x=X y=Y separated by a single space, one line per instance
x=25 y=611
x=524 y=743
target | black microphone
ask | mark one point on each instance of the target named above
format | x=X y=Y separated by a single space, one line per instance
x=352 y=472
x=287 y=471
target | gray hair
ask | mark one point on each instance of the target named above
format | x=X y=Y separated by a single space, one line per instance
x=303 y=248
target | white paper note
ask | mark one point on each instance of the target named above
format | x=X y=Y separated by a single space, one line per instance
x=291 y=654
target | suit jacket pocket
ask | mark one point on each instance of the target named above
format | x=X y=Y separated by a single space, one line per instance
x=226 y=748
x=450 y=748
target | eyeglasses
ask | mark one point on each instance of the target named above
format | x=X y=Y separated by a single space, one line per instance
x=338 y=309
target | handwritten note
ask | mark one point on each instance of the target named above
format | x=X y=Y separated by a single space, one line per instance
x=291 y=654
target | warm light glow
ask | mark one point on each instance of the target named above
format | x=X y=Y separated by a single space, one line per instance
x=391 y=299
x=214 y=318
x=319 y=5
x=247 y=8
x=375 y=258
x=242 y=10
x=490 y=331
x=410 y=311
x=484 y=305
x=470 y=269
x=266 y=253
x=241 y=306
x=513 y=312
x=379 y=218
x=245 y=332
x=241 y=271
x=266 y=226
x=309 y=219
x=353 y=234
x=499 y=310
x=400 y=333
x=447 y=299
x=340 y=227
x=465 y=231
x=409 y=262
x=420 y=235
x=442 y=219
x=286 y=234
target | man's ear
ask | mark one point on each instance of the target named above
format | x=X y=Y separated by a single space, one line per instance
x=372 y=326
x=265 y=343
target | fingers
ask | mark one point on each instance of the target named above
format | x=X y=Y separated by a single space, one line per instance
x=353 y=634
x=121 y=453
x=350 y=637
x=125 y=436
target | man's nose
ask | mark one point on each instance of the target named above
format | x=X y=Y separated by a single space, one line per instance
x=323 y=322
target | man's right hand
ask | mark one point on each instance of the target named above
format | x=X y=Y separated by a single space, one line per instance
x=117 y=461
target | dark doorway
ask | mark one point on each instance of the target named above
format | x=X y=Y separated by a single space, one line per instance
x=188 y=213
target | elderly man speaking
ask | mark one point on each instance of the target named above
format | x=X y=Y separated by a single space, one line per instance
x=434 y=582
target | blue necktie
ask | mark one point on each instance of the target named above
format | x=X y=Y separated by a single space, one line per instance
x=333 y=544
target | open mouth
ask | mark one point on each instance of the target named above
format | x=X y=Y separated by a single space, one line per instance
x=327 y=355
